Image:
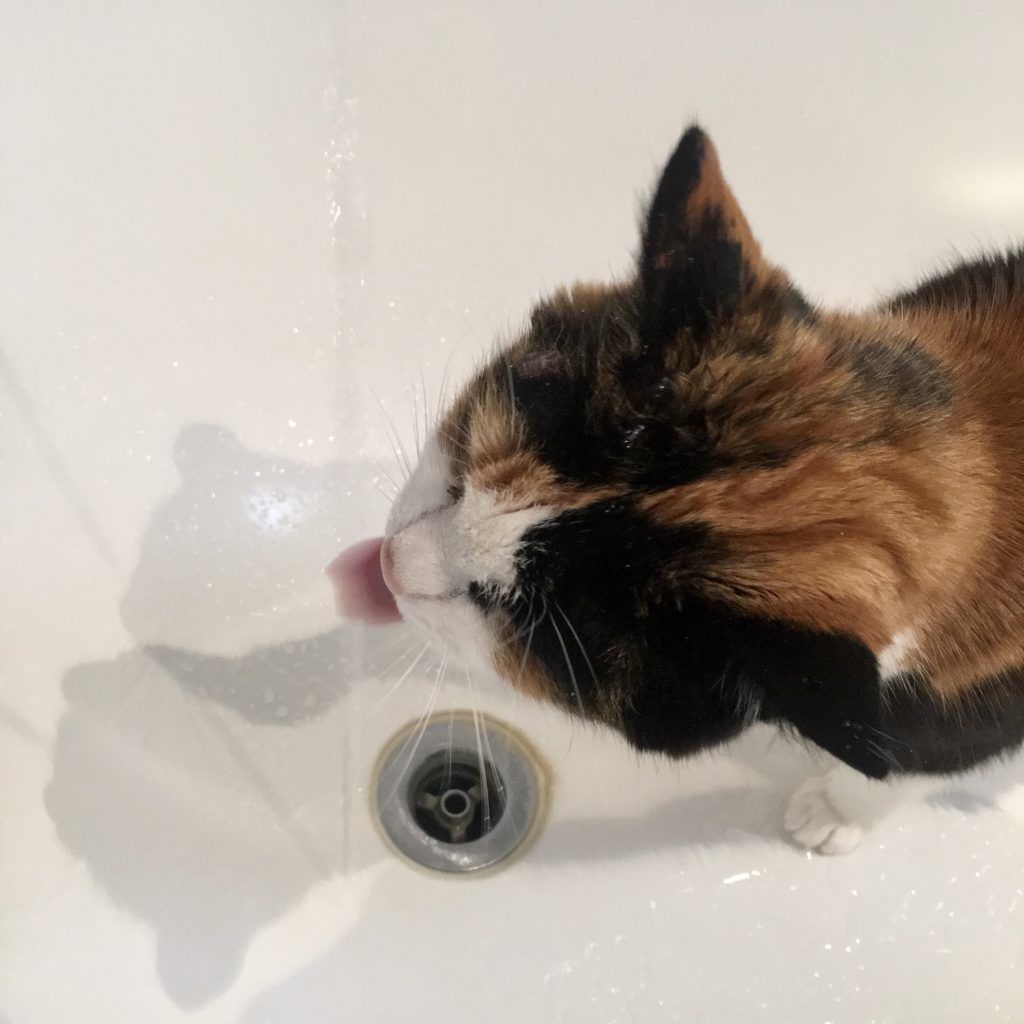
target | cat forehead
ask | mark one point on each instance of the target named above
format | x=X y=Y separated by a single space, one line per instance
x=583 y=313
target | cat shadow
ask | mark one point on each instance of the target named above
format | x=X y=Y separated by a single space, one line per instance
x=202 y=774
x=980 y=790
x=199 y=804
x=742 y=814
x=714 y=816
x=286 y=684
x=722 y=817
x=207 y=790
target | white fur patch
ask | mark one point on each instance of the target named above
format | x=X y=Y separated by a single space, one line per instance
x=456 y=627
x=815 y=824
x=439 y=546
x=484 y=540
x=896 y=657
x=831 y=813
x=426 y=489
x=418 y=559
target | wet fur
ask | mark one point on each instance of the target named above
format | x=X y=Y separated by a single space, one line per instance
x=754 y=497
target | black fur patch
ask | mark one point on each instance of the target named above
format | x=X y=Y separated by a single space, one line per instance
x=700 y=287
x=549 y=402
x=665 y=233
x=925 y=734
x=798 y=308
x=587 y=439
x=686 y=673
x=903 y=372
x=691 y=274
x=822 y=685
x=972 y=285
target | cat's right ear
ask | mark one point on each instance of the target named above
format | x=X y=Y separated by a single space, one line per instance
x=699 y=260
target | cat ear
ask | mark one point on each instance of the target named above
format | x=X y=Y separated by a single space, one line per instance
x=699 y=259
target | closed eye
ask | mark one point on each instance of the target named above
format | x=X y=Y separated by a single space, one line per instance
x=455 y=492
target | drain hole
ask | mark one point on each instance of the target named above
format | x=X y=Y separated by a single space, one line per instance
x=452 y=800
x=447 y=809
x=456 y=804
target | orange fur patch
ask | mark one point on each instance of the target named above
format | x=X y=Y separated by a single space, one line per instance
x=892 y=518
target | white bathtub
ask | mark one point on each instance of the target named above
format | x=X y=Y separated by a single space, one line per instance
x=229 y=234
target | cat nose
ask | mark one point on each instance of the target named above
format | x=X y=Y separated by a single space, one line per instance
x=387 y=567
x=412 y=562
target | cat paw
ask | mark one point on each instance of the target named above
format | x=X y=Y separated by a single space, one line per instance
x=813 y=823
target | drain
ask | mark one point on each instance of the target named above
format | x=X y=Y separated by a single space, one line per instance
x=453 y=800
x=458 y=795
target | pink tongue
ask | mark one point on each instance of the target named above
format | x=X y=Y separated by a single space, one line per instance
x=360 y=592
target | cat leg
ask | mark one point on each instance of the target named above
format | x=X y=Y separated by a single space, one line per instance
x=831 y=813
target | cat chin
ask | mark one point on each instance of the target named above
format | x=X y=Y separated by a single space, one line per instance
x=456 y=627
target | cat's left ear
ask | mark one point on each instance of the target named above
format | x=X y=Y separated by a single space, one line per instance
x=699 y=259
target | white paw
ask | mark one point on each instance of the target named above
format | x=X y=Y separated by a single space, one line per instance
x=815 y=824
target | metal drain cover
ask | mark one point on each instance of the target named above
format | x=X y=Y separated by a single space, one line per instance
x=459 y=793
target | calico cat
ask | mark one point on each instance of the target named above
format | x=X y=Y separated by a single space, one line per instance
x=692 y=501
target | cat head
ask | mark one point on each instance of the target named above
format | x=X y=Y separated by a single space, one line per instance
x=661 y=462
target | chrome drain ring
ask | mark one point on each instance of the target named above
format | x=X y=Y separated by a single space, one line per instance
x=462 y=796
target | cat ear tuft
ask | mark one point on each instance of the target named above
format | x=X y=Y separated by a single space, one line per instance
x=698 y=258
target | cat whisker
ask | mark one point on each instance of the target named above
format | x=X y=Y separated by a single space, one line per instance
x=405 y=675
x=421 y=727
x=426 y=415
x=579 y=642
x=484 y=788
x=499 y=782
x=407 y=643
x=442 y=393
x=455 y=439
x=417 y=441
x=450 y=749
x=403 y=640
x=529 y=621
x=474 y=703
x=884 y=753
x=394 y=437
x=386 y=474
x=511 y=385
x=568 y=663
x=529 y=644
x=464 y=431
x=453 y=458
x=389 y=498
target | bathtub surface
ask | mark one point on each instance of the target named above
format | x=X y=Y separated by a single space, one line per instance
x=240 y=247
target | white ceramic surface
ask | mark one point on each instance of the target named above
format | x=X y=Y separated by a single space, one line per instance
x=229 y=234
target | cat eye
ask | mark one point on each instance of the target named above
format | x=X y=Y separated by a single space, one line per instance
x=455 y=492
